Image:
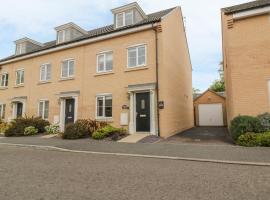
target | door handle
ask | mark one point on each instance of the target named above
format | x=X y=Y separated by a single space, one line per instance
x=143 y=115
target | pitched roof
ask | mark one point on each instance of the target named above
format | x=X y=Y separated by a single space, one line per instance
x=151 y=18
x=198 y=95
x=246 y=6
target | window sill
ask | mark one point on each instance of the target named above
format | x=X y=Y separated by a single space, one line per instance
x=105 y=119
x=19 y=86
x=103 y=73
x=44 y=82
x=3 y=88
x=67 y=79
x=136 y=68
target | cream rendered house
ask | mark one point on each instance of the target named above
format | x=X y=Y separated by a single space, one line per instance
x=135 y=73
x=246 y=54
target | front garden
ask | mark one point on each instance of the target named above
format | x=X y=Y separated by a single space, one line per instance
x=251 y=131
x=84 y=128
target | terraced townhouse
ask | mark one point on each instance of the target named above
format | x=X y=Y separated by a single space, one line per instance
x=246 y=55
x=135 y=73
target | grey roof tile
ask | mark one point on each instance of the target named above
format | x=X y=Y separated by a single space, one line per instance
x=246 y=6
x=151 y=18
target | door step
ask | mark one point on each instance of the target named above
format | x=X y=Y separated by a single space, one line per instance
x=134 y=138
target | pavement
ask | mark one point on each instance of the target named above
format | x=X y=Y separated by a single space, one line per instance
x=34 y=174
x=203 y=135
x=182 y=150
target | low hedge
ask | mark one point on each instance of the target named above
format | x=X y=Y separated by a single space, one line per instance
x=82 y=128
x=245 y=124
x=107 y=131
x=17 y=126
x=254 y=139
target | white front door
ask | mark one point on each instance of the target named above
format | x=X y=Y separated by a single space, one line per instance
x=211 y=115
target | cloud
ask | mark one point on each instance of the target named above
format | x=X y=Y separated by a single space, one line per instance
x=37 y=19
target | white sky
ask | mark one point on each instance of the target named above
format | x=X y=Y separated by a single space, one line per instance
x=36 y=19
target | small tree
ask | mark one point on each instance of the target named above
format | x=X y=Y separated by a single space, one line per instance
x=219 y=85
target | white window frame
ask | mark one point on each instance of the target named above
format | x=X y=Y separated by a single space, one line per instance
x=2 y=111
x=62 y=65
x=19 y=48
x=43 y=101
x=124 y=18
x=21 y=83
x=46 y=72
x=64 y=36
x=103 y=96
x=137 y=57
x=105 y=62
x=5 y=80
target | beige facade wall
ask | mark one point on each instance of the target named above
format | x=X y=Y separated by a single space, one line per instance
x=247 y=65
x=209 y=97
x=175 y=76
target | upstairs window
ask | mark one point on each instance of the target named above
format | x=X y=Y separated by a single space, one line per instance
x=20 y=48
x=4 y=80
x=124 y=19
x=45 y=72
x=137 y=56
x=67 y=68
x=20 y=77
x=2 y=111
x=105 y=62
x=43 y=109
x=104 y=106
x=61 y=36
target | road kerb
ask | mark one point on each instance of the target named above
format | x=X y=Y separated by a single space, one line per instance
x=53 y=148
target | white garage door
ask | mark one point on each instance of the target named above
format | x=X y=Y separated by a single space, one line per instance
x=211 y=115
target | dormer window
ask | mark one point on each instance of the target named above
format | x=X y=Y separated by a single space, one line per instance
x=26 y=45
x=124 y=19
x=128 y=15
x=69 y=32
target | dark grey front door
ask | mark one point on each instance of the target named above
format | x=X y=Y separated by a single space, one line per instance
x=143 y=112
x=19 y=110
x=69 y=111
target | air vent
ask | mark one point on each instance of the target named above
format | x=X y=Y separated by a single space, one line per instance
x=230 y=23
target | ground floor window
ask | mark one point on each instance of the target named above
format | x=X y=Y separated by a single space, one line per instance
x=2 y=111
x=104 y=106
x=43 y=109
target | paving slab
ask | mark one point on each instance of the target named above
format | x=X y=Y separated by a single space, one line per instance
x=134 y=138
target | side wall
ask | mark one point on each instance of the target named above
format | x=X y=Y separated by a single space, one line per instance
x=175 y=76
x=247 y=65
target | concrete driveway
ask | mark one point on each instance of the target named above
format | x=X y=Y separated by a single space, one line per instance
x=203 y=135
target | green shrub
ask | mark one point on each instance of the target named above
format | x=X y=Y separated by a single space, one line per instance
x=76 y=131
x=245 y=124
x=31 y=130
x=265 y=121
x=264 y=139
x=106 y=131
x=52 y=129
x=17 y=126
x=3 y=126
x=92 y=125
x=248 y=140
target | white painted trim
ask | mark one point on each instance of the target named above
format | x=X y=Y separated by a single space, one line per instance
x=124 y=18
x=46 y=72
x=4 y=74
x=128 y=7
x=43 y=112
x=71 y=25
x=251 y=13
x=137 y=46
x=103 y=97
x=84 y=42
x=104 y=53
x=62 y=63
x=133 y=117
x=20 y=69
x=26 y=39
